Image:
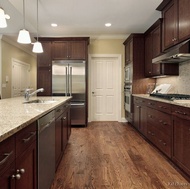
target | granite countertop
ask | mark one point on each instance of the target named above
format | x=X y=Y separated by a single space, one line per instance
x=15 y=114
x=183 y=103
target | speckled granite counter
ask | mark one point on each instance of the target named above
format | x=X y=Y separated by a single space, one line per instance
x=184 y=103
x=15 y=115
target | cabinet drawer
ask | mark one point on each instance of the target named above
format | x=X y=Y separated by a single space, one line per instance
x=58 y=111
x=164 y=107
x=140 y=101
x=161 y=121
x=181 y=112
x=159 y=139
x=7 y=153
x=151 y=103
x=25 y=138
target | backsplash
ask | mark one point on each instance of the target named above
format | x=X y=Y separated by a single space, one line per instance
x=180 y=84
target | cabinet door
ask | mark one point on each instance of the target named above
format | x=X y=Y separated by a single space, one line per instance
x=60 y=50
x=44 y=80
x=129 y=52
x=143 y=120
x=58 y=140
x=169 y=25
x=184 y=17
x=77 y=50
x=6 y=180
x=44 y=59
x=181 y=143
x=148 y=55
x=26 y=167
x=136 y=116
x=65 y=130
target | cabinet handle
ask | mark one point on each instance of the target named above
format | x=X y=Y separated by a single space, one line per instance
x=160 y=140
x=162 y=107
x=138 y=106
x=7 y=155
x=28 y=139
x=17 y=176
x=164 y=143
x=179 y=112
x=152 y=134
x=64 y=118
x=150 y=116
x=21 y=171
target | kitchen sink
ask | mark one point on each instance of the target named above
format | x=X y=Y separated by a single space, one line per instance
x=38 y=101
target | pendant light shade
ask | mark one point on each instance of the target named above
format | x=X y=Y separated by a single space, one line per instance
x=37 y=48
x=24 y=36
x=3 y=17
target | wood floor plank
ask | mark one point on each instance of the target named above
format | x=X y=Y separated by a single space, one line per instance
x=112 y=155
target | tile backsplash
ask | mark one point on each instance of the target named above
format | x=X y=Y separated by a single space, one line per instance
x=181 y=83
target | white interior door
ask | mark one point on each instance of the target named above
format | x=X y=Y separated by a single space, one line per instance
x=105 y=85
x=20 y=77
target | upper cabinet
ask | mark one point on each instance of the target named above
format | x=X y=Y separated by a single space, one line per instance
x=72 y=50
x=153 y=37
x=176 y=25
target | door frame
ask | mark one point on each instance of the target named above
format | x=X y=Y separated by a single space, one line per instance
x=119 y=74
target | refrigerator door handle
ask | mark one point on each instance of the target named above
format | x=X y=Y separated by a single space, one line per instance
x=66 y=81
x=70 y=81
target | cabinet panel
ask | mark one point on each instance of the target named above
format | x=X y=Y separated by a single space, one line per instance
x=181 y=143
x=44 y=59
x=184 y=17
x=27 y=162
x=44 y=80
x=60 y=50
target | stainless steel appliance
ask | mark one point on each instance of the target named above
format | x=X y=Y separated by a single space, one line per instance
x=46 y=150
x=128 y=101
x=69 y=79
x=128 y=73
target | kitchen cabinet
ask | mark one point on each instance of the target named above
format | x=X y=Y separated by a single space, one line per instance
x=153 y=49
x=44 y=69
x=176 y=26
x=181 y=138
x=140 y=115
x=18 y=163
x=72 y=50
x=62 y=131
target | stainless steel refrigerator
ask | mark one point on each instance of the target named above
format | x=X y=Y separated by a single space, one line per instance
x=69 y=79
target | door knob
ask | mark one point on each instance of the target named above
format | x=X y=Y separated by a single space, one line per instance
x=93 y=92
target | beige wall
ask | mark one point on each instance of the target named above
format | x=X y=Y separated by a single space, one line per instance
x=8 y=52
x=110 y=46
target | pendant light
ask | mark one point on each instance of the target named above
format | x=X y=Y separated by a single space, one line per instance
x=3 y=17
x=37 y=48
x=24 y=36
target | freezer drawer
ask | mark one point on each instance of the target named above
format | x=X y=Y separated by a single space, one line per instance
x=78 y=114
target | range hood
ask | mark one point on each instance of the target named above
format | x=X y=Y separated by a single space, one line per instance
x=176 y=54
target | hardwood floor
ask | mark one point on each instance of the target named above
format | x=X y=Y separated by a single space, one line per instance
x=113 y=155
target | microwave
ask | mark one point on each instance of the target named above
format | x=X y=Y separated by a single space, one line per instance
x=128 y=74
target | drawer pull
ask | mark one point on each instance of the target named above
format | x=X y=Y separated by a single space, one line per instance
x=179 y=112
x=17 y=176
x=164 y=143
x=7 y=155
x=162 y=107
x=64 y=118
x=160 y=140
x=28 y=139
x=152 y=134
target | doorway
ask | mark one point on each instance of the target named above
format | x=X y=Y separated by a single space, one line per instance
x=20 y=77
x=105 y=88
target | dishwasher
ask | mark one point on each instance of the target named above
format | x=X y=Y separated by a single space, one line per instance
x=46 y=150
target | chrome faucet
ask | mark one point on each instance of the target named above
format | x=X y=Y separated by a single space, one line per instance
x=27 y=93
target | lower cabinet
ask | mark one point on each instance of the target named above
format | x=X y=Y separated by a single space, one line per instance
x=62 y=131
x=18 y=160
x=181 y=138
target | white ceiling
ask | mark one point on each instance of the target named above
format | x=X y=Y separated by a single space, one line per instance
x=81 y=17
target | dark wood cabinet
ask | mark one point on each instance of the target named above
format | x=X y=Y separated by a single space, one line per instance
x=129 y=52
x=153 y=43
x=62 y=130
x=181 y=137
x=44 y=80
x=18 y=160
x=44 y=69
x=176 y=26
x=73 y=50
x=140 y=115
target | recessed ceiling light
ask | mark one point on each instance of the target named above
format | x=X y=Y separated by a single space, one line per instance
x=54 y=25
x=108 y=24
